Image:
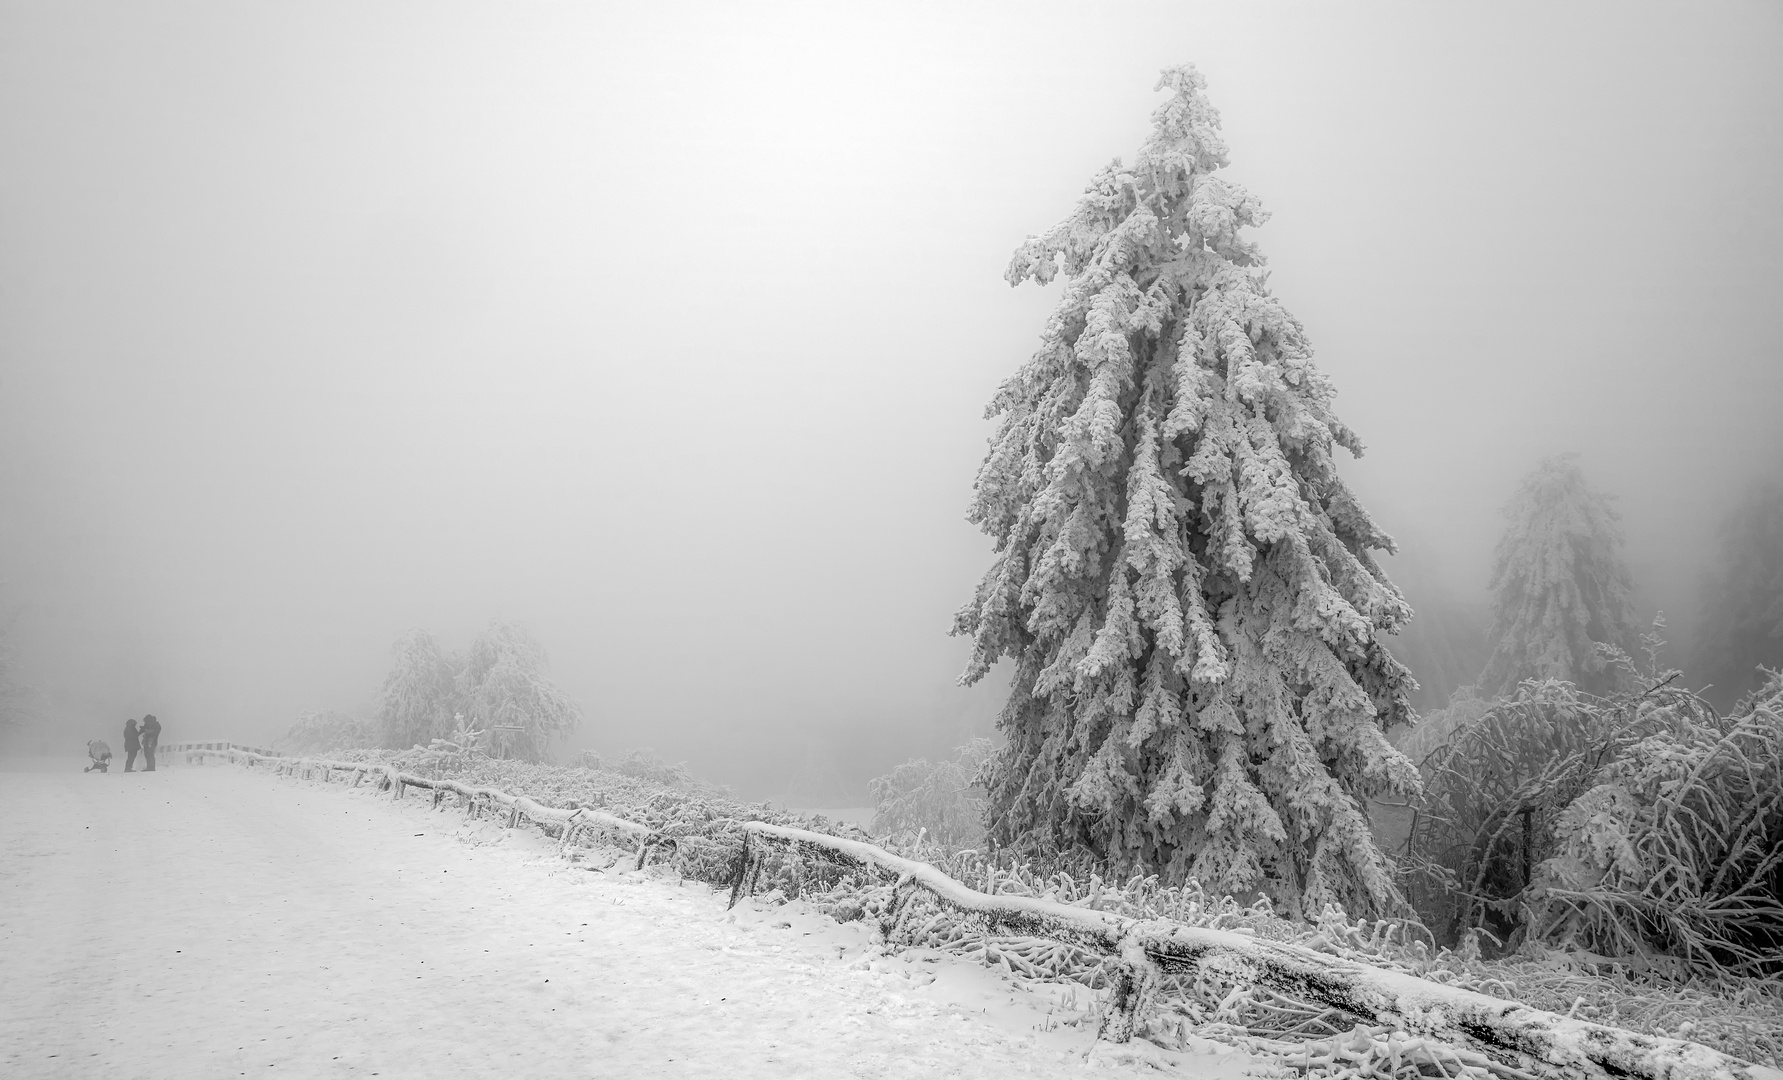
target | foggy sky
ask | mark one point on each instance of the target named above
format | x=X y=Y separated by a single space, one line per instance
x=667 y=329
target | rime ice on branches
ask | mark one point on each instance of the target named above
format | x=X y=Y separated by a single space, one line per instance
x=1183 y=582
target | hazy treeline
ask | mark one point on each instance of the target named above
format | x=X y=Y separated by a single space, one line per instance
x=1735 y=626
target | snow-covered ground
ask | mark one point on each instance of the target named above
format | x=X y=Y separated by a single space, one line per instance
x=213 y=921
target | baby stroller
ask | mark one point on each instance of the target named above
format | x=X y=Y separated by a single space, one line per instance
x=101 y=755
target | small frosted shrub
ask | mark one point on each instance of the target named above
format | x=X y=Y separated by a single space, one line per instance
x=940 y=803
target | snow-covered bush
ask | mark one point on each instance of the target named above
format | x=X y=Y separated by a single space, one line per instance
x=329 y=729
x=1642 y=827
x=1674 y=856
x=1492 y=793
x=940 y=803
x=644 y=763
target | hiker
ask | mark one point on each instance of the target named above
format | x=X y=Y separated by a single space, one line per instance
x=132 y=743
x=151 y=736
x=101 y=755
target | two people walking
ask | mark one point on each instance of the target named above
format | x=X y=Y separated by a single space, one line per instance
x=142 y=738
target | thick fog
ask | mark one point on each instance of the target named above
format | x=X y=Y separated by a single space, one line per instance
x=666 y=330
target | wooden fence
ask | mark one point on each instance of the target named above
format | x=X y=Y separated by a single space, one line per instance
x=1141 y=952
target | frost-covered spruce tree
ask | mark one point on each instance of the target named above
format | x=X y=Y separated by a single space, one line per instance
x=1560 y=605
x=1183 y=582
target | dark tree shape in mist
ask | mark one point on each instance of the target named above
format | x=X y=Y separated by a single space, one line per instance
x=19 y=704
x=1742 y=598
x=1560 y=605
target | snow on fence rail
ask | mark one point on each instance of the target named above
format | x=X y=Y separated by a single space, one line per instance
x=1484 y=1030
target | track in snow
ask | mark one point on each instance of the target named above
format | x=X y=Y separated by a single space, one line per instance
x=211 y=921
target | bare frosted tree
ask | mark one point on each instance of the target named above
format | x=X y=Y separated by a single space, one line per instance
x=498 y=690
x=420 y=694
x=1183 y=582
x=505 y=691
x=1560 y=607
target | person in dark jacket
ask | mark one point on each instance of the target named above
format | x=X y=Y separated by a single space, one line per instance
x=151 y=737
x=132 y=743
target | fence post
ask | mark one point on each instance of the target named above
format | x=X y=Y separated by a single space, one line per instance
x=741 y=882
x=1135 y=978
x=905 y=892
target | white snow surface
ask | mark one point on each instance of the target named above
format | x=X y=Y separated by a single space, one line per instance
x=216 y=921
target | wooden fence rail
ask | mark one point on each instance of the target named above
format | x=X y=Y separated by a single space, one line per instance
x=473 y=798
x=1141 y=952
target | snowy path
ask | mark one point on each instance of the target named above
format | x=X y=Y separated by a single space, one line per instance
x=211 y=921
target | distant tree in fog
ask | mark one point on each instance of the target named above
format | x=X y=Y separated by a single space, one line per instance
x=1742 y=598
x=498 y=687
x=1444 y=645
x=329 y=729
x=15 y=697
x=18 y=701
x=922 y=802
x=420 y=694
x=503 y=686
x=1182 y=580
x=1560 y=606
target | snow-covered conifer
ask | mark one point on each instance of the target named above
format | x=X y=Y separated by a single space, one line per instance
x=1183 y=582
x=1560 y=606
